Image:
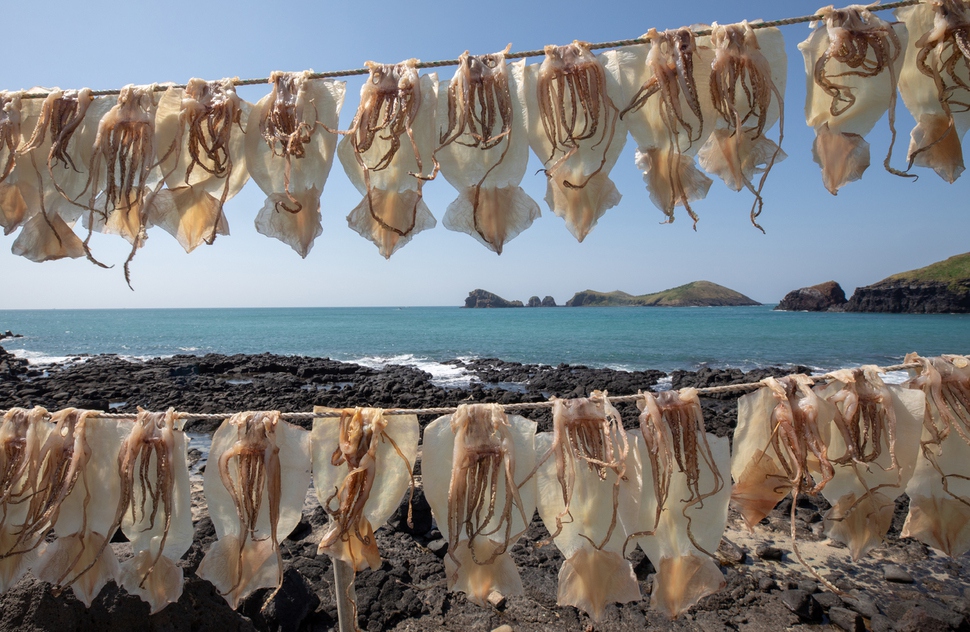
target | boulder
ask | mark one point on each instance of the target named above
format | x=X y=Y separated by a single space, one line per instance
x=534 y=302
x=481 y=298
x=823 y=297
x=548 y=302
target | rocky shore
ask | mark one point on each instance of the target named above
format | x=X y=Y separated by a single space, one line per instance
x=901 y=586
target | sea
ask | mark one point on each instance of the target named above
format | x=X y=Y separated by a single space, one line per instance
x=625 y=338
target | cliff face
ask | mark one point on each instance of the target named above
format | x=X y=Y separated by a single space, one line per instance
x=481 y=298
x=827 y=296
x=915 y=297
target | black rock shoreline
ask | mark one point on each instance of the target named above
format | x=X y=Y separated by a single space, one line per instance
x=766 y=590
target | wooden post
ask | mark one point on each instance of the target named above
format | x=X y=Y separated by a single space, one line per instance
x=346 y=594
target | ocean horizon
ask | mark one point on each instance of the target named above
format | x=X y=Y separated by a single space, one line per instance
x=430 y=338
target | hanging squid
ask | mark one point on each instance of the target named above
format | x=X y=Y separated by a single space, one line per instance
x=779 y=449
x=362 y=464
x=876 y=430
x=13 y=210
x=576 y=131
x=586 y=494
x=484 y=149
x=22 y=435
x=684 y=501
x=935 y=83
x=255 y=486
x=747 y=87
x=476 y=470
x=669 y=113
x=386 y=151
x=291 y=155
x=852 y=67
x=78 y=492
x=939 y=491
x=54 y=171
x=200 y=130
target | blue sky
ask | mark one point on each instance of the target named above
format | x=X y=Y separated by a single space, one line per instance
x=873 y=228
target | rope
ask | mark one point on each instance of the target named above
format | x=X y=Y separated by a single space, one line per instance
x=709 y=390
x=519 y=55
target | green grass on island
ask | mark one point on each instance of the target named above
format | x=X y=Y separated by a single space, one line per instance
x=696 y=294
x=956 y=268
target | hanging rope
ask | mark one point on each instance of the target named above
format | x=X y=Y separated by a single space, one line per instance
x=519 y=55
x=710 y=390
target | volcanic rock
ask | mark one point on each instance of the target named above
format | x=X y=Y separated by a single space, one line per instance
x=823 y=297
x=481 y=298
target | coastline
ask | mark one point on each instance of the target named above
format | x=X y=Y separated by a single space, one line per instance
x=766 y=589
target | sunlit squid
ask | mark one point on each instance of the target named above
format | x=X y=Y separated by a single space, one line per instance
x=289 y=152
x=747 y=87
x=13 y=210
x=939 y=492
x=200 y=131
x=255 y=485
x=475 y=469
x=669 y=113
x=586 y=493
x=575 y=130
x=684 y=501
x=852 y=67
x=388 y=153
x=876 y=431
x=935 y=83
x=483 y=149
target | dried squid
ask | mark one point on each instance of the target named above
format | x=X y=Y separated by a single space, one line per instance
x=684 y=502
x=155 y=507
x=385 y=153
x=255 y=486
x=476 y=469
x=484 y=149
x=21 y=436
x=939 y=492
x=203 y=126
x=669 y=113
x=54 y=171
x=876 y=430
x=779 y=448
x=935 y=83
x=747 y=86
x=291 y=155
x=587 y=493
x=576 y=131
x=13 y=210
x=362 y=465
x=852 y=66
x=78 y=491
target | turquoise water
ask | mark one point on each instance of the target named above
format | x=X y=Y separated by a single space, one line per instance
x=626 y=338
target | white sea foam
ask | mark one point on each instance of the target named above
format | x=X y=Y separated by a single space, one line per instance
x=446 y=375
x=664 y=384
x=895 y=377
x=41 y=358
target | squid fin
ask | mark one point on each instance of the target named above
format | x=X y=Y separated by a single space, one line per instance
x=237 y=570
x=478 y=581
x=943 y=523
x=12 y=568
x=13 y=209
x=65 y=557
x=403 y=214
x=936 y=144
x=297 y=230
x=190 y=215
x=860 y=525
x=684 y=580
x=581 y=207
x=736 y=158
x=752 y=494
x=162 y=586
x=672 y=180
x=501 y=214
x=353 y=550
x=591 y=579
x=39 y=243
x=843 y=156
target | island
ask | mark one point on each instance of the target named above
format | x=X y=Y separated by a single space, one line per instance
x=824 y=297
x=696 y=294
x=482 y=299
x=939 y=288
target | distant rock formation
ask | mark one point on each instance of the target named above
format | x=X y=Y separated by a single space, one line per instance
x=940 y=288
x=823 y=297
x=546 y=302
x=481 y=298
x=696 y=294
